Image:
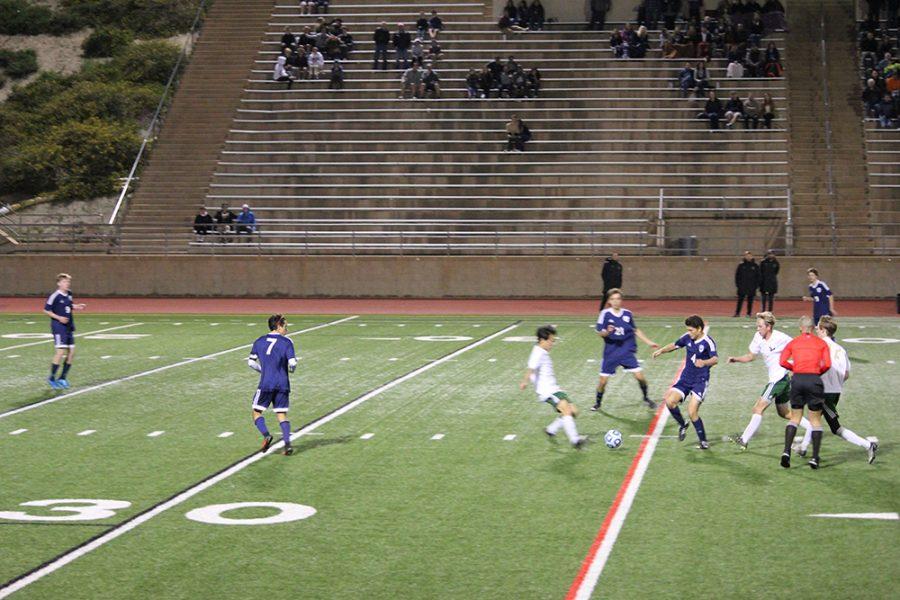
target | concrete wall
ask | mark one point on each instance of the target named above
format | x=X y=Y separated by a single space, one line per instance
x=425 y=277
x=577 y=10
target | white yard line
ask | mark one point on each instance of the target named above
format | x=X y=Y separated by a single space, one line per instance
x=50 y=339
x=155 y=433
x=367 y=436
x=226 y=434
x=189 y=493
x=87 y=432
x=156 y=370
x=891 y=516
x=438 y=436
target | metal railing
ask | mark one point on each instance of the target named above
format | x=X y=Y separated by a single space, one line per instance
x=156 y=121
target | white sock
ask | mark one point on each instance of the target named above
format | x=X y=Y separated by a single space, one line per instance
x=752 y=426
x=854 y=439
x=805 y=424
x=553 y=427
x=568 y=425
x=807 y=438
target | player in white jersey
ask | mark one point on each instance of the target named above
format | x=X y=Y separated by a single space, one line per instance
x=833 y=380
x=540 y=373
x=768 y=342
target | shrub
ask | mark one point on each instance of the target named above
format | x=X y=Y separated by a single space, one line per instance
x=111 y=101
x=3 y=79
x=18 y=63
x=106 y=42
x=146 y=63
x=88 y=156
x=20 y=17
x=147 y=18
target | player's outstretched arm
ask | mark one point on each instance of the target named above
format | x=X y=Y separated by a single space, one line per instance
x=79 y=306
x=664 y=350
x=643 y=337
x=526 y=379
x=749 y=357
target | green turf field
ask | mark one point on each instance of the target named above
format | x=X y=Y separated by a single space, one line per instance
x=402 y=515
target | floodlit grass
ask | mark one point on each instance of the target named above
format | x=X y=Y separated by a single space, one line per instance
x=400 y=515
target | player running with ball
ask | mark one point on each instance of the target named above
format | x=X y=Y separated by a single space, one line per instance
x=540 y=373
x=694 y=379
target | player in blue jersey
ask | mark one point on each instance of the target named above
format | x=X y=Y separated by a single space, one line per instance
x=820 y=295
x=617 y=328
x=694 y=379
x=60 y=308
x=273 y=356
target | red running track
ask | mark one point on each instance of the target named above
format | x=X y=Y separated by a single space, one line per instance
x=409 y=306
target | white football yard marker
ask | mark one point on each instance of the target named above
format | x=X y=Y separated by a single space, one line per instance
x=189 y=493
x=187 y=361
x=155 y=433
x=226 y=434
x=393 y=359
x=345 y=359
x=50 y=339
x=509 y=438
x=18 y=432
x=367 y=436
x=105 y=356
x=87 y=432
x=153 y=357
x=438 y=436
x=17 y=356
x=889 y=516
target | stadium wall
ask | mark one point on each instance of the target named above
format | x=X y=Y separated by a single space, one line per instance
x=426 y=277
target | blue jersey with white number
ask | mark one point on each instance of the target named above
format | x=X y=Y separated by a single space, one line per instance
x=275 y=354
x=621 y=340
x=60 y=304
x=820 y=293
x=703 y=348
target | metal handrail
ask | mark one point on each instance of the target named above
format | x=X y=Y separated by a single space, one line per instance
x=154 y=122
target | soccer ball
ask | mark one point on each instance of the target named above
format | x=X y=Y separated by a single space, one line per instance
x=613 y=438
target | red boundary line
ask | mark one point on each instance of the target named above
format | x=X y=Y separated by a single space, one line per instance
x=614 y=508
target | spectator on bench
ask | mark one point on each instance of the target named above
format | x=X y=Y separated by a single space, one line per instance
x=422 y=26
x=871 y=97
x=382 y=38
x=203 y=224
x=617 y=43
x=536 y=16
x=417 y=52
x=517 y=134
x=246 y=221
x=886 y=112
x=280 y=73
x=735 y=70
x=686 y=80
x=295 y=63
x=507 y=26
x=511 y=11
x=320 y=6
x=768 y=110
x=306 y=6
x=773 y=15
x=288 y=39
x=435 y=25
x=473 y=84
x=486 y=81
x=316 y=62
x=412 y=82
x=534 y=82
x=225 y=220
x=434 y=51
x=336 y=82
x=431 y=82
x=637 y=48
x=701 y=74
x=402 y=42
x=751 y=112
x=734 y=109
x=713 y=110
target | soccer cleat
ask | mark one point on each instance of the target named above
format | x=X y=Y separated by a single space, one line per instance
x=580 y=443
x=53 y=383
x=267 y=441
x=596 y=407
x=682 y=432
x=873 y=448
x=650 y=403
x=814 y=463
x=801 y=451
x=63 y=384
x=703 y=446
x=786 y=460
x=737 y=439
x=288 y=449
x=550 y=436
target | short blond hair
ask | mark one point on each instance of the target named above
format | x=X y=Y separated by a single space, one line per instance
x=768 y=317
x=612 y=291
x=805 y=322
x=62 y=276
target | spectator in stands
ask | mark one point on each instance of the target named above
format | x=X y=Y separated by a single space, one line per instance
x=321 y=6
x=347 y=43
x=640 y=44
x=511 y=11
x=225 y=220
x=306 y=6
x=735 y=69
x=768 y=280
x=713 y=110
x=246 y=221
x=692 y=39
x=885 y=62
x=486 y=81
x=435 y=25
x=473 y=84
x=422 y=26
x=507 y=25
x=294 y=62
x=434 y=51
x=307 y=38
x=336 y=81
x=288 y=39
x=773 y=15
x=431 y=83
x=734 y=109
x=316 y=61
x=496 y=68
x=671 y=9
x=747 y=280
x=880 y=84
x=536 y=16
x=517 y=135
x=707 y=42
x=695 y=10
x=599 y=8
x=871 y=97
x=280 y=73
x=412 y=82
x=533 y=82
x=753 y=62
x=382 y=38
x=203 y=224
x=686 y=80
x=756 y=29
x=402 y=42
x=893 y=7
x=417 y=52
x=874 y=13
x=886 y=112
x=751 y=113
x=524 y=13
x=617 y=43
x=652 y=13
x=768 y=110
x=666 y=46
x=701 y=74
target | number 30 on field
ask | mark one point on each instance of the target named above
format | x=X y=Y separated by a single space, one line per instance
x=88 y=509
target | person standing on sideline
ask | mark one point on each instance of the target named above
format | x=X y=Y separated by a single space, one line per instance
x=59 y=307
x=273 y=357
x=746 y=279
x=768 y=281
x=808 y=357
x=612 y=277
x=820 y=295
x=382 y=38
